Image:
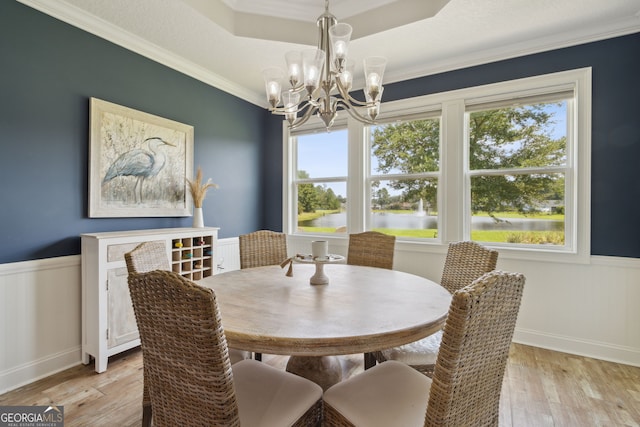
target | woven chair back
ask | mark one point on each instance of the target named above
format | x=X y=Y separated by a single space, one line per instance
x=465 y=262
x=147 y=256
x=371 y=249
x=473 y=354
x=263 y=247
x=185 y=351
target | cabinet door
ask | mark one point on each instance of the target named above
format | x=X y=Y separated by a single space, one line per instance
x=121 y=318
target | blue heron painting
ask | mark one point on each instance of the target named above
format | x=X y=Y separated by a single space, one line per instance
x=140 y=164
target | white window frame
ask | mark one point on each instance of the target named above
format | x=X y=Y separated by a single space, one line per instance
x=295 y=181
x=454 y=223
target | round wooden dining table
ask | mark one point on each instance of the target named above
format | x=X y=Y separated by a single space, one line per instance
x=360 y=310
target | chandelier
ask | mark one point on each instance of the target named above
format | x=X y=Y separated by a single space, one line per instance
x=323 y=77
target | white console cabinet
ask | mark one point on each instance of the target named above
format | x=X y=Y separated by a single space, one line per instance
x=108 y=322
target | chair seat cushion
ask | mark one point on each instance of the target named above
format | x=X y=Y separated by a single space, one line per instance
x=270 y=397
x=389 y=394
x=423 y=352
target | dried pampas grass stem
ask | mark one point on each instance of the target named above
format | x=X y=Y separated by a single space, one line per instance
x=198 y=189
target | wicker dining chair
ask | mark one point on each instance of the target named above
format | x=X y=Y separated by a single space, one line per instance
x=263 y=247
x=469 y=370
x=465 y=262
x=145 y=257
x=371 y=249
x=192 y=380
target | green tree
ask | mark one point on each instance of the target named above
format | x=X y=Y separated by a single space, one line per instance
x=327 y=198
x=409 y=147
x=515 y=137
x=307 y=195
x=383 y=198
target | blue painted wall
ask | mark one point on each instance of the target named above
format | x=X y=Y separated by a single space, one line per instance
x=273 y=164
x=615 y=179
x=48 y=72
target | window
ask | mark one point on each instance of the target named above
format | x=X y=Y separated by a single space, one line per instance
x=320 y=181
x=517 y=164
x=505 y=164
x=403 y=178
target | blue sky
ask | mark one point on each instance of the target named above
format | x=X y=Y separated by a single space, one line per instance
x=323 y=154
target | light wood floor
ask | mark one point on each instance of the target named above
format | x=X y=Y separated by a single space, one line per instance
x=541 y=388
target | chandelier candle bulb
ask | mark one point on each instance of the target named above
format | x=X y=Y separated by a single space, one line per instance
x=311 y=76
x=373 y=71
x=346 y=80
x=373 y=82
x=274 y=89
x=272 y=78
x=340 y=49
x=346 y=76
x=290 y=100
x=294 y=65
x=294 y=74
x=312 y=64
x=339 y=35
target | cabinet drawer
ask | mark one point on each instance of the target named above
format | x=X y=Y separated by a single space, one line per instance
x=116 y=252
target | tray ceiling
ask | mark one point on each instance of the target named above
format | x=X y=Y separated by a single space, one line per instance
x=227 y=43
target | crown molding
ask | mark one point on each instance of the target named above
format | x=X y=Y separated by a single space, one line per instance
x=576 y=37
x=308 y=10
x=103 y=29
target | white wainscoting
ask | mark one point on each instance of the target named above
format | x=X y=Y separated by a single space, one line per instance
x=586 y=309
x=228 y=258
x=40 y=326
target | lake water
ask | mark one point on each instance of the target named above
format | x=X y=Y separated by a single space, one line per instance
x=414 y=222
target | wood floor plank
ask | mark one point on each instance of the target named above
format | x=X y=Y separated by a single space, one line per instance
x=541 y=388
x=505 y=402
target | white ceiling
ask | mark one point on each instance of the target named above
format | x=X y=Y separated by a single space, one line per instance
x=227 y=43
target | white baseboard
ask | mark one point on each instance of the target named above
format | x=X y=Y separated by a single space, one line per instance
x=571 y=345
x=40 y=368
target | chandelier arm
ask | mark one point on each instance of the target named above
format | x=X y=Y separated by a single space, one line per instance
x=309 y=106
x=281 y=111
x=354 y=113
x=297 y=89
x=351 y=100
x=299 y=121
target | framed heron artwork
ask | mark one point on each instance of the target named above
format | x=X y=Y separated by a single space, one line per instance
x=138 y=163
